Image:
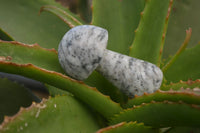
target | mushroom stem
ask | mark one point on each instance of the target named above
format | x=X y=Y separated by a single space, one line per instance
x=132 y=76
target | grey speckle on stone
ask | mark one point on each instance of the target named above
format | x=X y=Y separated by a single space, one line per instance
x=81 y=50
x=132 y=76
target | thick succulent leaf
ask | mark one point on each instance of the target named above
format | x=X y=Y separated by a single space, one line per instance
x=120 y=18
x=66 y=16
x=160 y=96
x=150 y=34
x=182 y=85
x=23 y=54
x=183 y=16
x=131 y=127
x=20 y=19
x=162 y=114
x=85 y=93
x=60 y=114
x=13 y=96
x=5 y=36
x=185 y=67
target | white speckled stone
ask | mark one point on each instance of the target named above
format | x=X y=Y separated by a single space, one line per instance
x=81 y=49
x=132 y=76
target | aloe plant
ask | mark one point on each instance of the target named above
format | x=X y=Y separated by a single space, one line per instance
x=137 y=28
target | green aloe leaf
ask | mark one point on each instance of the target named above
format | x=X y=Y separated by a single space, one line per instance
x=60 y=114
x=66 y=16
x=5 y=36
x=13 y=96
x=120 y=18
x=162 y=114
x=87 y=94
x=34 y=54
x=185 y=67
x=131 y=127
x=150 y=34
x=160 y=96
x=20 y=19
x=182 y=84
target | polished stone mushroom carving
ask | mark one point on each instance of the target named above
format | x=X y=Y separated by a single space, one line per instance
x=83 y=50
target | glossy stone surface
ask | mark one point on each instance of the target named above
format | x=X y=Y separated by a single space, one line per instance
x=132 y=76
x=81 y=49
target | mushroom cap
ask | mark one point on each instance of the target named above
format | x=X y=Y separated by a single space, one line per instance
x=81 y=50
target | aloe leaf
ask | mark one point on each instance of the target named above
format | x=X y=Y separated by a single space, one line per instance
x=149 y=35
x=85 y=93
x=20 y=19
x=182 y=85
x=185 y=67
x=13 y=96
x=184 y=15
x=64 y=15
x=120 y=18
x=59 y=114
x=5 y=36
x=24 y=54
x=160 y=96
x=162 y=114
x=131 y=127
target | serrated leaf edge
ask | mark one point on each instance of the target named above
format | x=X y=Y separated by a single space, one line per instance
x=33 y=67
x=152 y=102
x=8 y=119
x=35 y=46
x=120 y=125
x=188 y=82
